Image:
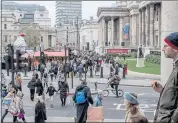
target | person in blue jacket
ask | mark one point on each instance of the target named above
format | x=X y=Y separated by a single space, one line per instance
x=98 y=100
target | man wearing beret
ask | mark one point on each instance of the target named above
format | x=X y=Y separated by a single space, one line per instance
x=167 y=108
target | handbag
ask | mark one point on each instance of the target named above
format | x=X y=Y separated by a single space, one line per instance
x=21 y=115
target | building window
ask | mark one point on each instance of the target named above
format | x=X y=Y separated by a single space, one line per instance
x=41 y=15
x=5 y=26
x=20 y=15
x=41 y=38
x=15 y=37
x=5 y=19
x=5 y=38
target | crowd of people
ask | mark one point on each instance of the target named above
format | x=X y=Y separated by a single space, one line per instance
x=167 y=108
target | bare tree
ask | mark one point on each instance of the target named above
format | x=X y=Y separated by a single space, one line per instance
x=32 y=36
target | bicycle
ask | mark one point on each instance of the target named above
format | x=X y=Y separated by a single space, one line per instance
x=108 y=89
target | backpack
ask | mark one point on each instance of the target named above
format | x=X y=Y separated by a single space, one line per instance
x=80 y=97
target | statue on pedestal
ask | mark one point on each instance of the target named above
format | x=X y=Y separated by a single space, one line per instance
x=140 y=57
x=140 y=52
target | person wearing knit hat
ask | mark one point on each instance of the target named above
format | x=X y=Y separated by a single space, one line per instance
x=167 y=109
x=132 y=106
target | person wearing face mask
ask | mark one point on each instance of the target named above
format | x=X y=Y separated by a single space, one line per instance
x=10 y=97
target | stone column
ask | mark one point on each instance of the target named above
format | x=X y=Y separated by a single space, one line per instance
x=169 y=20
x=143 y=26
x=118 y=34
x=107 y=33
x=103 y=33
x=151 y=24
x=134 y=29
x=112 y=31
x=159 y=27
x=121 y=29
x=147 y=26
x=140 y=28
x=130 y=35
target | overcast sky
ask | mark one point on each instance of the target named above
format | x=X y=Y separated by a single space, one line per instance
x=89 y=8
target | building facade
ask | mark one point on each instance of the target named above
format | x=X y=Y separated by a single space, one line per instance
x=129 y=25
x=112 y=21
x=27 y=13
x=11 y=28
x=67 y=12
x=89 y=35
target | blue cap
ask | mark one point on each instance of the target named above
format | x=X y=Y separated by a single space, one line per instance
x=130 y=98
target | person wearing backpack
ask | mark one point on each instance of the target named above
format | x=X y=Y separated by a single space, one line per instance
x=82 y=98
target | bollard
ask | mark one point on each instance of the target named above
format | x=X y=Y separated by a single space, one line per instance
x=91 y=72
x=25 y=75
x=96 y=86
x=7 y=72
x=72 y=80
x=85 y=74
x=101 y=75
x=123 y=72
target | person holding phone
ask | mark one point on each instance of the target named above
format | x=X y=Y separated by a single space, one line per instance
x=167 y=108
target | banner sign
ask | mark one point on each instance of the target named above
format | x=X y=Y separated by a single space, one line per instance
x=126 y=32
x=124 y=51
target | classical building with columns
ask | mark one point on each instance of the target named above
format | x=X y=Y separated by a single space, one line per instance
x=129 y=25
x=111 y=22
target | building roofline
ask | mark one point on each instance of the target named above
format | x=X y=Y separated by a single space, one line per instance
x=100 y=9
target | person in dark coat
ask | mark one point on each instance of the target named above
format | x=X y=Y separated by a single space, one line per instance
x=51 y=91
x=117 y=69
x=39 y=86
x=167 y=108
x=67 y=69
x=40 y=111
x=55 y=71
x=64 y=88
x=31 y=85
x=83 y=108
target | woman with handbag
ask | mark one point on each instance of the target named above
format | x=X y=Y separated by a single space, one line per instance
x=19 y=105
x=7 y=101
